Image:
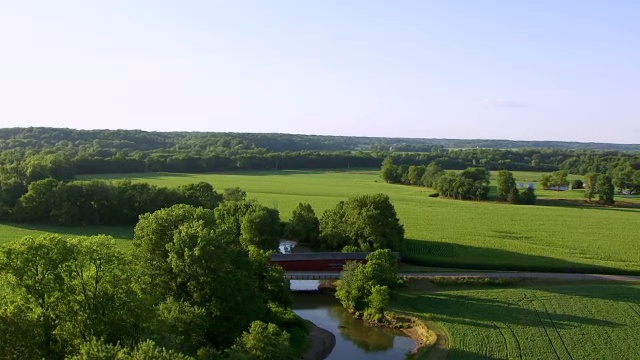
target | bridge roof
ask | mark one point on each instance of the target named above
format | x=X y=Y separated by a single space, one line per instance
x=320 y=256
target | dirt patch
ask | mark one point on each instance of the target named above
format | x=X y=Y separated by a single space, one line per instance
x=321 y=343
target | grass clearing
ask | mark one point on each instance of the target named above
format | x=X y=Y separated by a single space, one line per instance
x=10 y=232
x=597 y=321
x=451 y=233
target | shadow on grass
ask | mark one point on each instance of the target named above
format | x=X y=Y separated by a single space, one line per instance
x=118 y=232
x=442 y=254
x=453 y=308
x=582 y=204
x=619 y=292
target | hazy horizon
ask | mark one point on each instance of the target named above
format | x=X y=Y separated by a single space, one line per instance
x=543 y=71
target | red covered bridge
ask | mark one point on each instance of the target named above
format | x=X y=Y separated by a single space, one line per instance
x=317 y=265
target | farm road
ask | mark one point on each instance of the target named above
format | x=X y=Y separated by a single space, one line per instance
x=521 y=275
x=311 y=275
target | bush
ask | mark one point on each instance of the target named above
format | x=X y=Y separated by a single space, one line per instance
x=528 y=196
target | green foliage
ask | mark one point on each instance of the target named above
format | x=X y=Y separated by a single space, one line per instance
x=350 y=248
x=234 y=194
x=432 y=174
x=99 y=202
x=471 y=184
x=527 y=196
x=231 y=213
x=591 y=185
x=59 y=292
x=366 y=287
x=260 y=227
x=262 y=342
x=605 y=189
x=506 y=185
x=369 y=222
x=556 y=180
x=390 y=172
x=154 y=232
x=378 y=301
x=514 y=196
x=600 y=185
x=415 y=174
x=304 y=226
x=200 y=194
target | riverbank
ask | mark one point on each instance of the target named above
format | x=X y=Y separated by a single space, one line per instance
x=321 y=343
x=423 y=336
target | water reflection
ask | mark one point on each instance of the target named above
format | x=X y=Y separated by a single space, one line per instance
x=354 y=340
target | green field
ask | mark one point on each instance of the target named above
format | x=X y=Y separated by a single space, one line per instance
x=9 y=232
x=547 y=322
x=453 y=233
x=441 y=232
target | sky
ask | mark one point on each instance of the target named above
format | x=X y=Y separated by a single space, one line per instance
x=521 y=70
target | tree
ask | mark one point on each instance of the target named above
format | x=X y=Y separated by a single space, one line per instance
x=514 y=196
x=605 y=190
x=304 y=226
x=154 y=232
x=334 y=229
x=415 y=174
x=369 y=222
x=39 y=201
x=432 y=174
x=358 y=282
x=559 y=178
x=201 y=194
x=262 y=342
x=591 y=185
x=234 y=194
x=67 y=291
x=506 y=185
x=102 y=299
x=261 y=228
x=378 y=301
x=471 y=184
x=231 y=213
x=527 y=196
x=389 y=171
x=623 y=179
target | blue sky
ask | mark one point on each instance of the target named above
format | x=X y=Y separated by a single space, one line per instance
x=540 y=70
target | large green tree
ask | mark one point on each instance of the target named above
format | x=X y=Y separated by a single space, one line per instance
x=369 y=222
x=506 y=183
x=366 y=287
x=304 y=226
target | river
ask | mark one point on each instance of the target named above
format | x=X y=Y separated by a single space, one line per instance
x=354 y=339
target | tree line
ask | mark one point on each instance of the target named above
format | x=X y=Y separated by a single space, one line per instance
x=198 y=285
x=191 y=289
x=127 y=151
x=470 y=184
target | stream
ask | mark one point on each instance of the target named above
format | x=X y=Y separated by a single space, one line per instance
x=354 y=339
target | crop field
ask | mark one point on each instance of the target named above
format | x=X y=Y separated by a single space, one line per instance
x=550 y=322
x=451 y=233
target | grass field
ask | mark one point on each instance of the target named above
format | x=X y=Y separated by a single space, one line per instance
x=9 y=232
x=546 y=322
x=452 y=233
